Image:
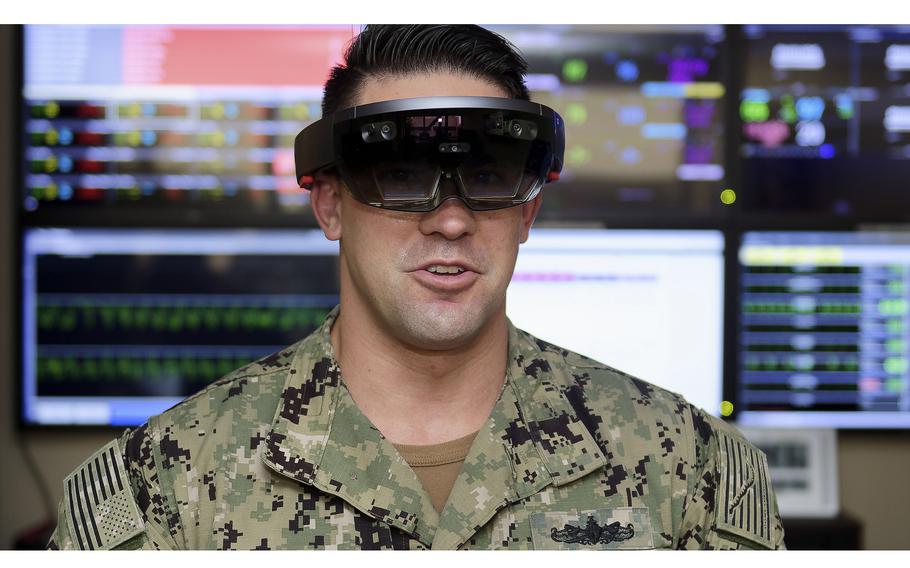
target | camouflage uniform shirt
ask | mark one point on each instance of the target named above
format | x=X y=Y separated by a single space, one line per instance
x=276 y=455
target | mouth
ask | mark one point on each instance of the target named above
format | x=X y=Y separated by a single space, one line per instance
x=445 y=270
x=446 y=277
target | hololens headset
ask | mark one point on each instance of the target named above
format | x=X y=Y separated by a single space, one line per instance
x=412 y=154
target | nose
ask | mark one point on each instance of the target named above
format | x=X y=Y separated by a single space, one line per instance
x=452 y=219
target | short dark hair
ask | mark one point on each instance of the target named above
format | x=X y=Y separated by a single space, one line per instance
x=381 y=51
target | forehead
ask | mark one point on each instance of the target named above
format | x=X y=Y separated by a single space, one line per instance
x=409 y=86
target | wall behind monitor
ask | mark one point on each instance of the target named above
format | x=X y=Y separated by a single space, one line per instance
x=872 y=467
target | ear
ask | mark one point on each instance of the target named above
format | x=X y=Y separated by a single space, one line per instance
x=325 y=199
x=529 y=212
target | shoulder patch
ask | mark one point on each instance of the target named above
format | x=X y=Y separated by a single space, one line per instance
x=101 y=512
x=743 y=491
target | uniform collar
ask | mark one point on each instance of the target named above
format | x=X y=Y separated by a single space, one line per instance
x=532 y=438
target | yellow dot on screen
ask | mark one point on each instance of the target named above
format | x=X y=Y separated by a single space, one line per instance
x=726 y=408
x=728 y=197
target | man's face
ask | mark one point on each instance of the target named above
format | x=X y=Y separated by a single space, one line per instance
x=385 y=254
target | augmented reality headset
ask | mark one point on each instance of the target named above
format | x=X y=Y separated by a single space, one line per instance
x=412 y=154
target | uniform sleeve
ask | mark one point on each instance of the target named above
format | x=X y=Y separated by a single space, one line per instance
x=60 y=538
x=731 y=504
x=115 y=500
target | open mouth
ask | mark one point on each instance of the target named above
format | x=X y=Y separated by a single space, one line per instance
x=446 y=278
x=445 y=270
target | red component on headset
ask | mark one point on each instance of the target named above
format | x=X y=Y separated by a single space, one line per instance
x=553 y=176
x=305 y=181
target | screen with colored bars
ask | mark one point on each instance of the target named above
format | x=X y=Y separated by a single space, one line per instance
x=122 y=324
x=823 y=333
x=643 y=110
x=825 y=114
x=175 y=119
x=646 y=302
x=198 y=122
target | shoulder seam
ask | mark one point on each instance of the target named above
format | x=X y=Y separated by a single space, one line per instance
x=226 y=381
x=689 y=429
x=155 y=433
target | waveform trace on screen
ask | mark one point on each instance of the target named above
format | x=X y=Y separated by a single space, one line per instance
x=121 y=324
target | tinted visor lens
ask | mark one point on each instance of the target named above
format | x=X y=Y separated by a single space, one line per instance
x=414 y=161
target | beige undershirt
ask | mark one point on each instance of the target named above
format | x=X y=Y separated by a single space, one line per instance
x=437 y=465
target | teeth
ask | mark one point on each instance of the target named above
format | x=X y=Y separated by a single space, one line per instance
x=445 y=269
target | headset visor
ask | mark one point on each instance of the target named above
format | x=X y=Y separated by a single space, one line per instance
x=412 y=159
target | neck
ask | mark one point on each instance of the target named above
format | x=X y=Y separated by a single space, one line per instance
x=414 y=395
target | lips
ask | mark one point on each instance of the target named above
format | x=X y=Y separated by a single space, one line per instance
x=448 y=283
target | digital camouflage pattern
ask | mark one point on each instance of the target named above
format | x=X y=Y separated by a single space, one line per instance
x=575 y=454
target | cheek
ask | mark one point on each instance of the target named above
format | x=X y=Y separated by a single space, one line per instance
x=501 y=259
x=357 y=252
x=373 y=249
x=367 y=259
x=502 y=233
x=505 y=224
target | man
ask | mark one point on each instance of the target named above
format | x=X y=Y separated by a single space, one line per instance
x=417 y=416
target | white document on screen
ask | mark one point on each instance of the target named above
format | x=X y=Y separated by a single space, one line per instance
x=649 y=303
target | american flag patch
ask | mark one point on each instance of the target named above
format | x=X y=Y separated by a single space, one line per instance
x=100 y=510
x=744 y=491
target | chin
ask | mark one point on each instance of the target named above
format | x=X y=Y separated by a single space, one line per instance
x=438 y=328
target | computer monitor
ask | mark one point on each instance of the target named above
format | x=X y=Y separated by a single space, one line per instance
x=120 y=324
x=159 y=123
x=823 y=332
x=644 y=116
x=825 y=119
x=647 y=302
x=195 y=122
